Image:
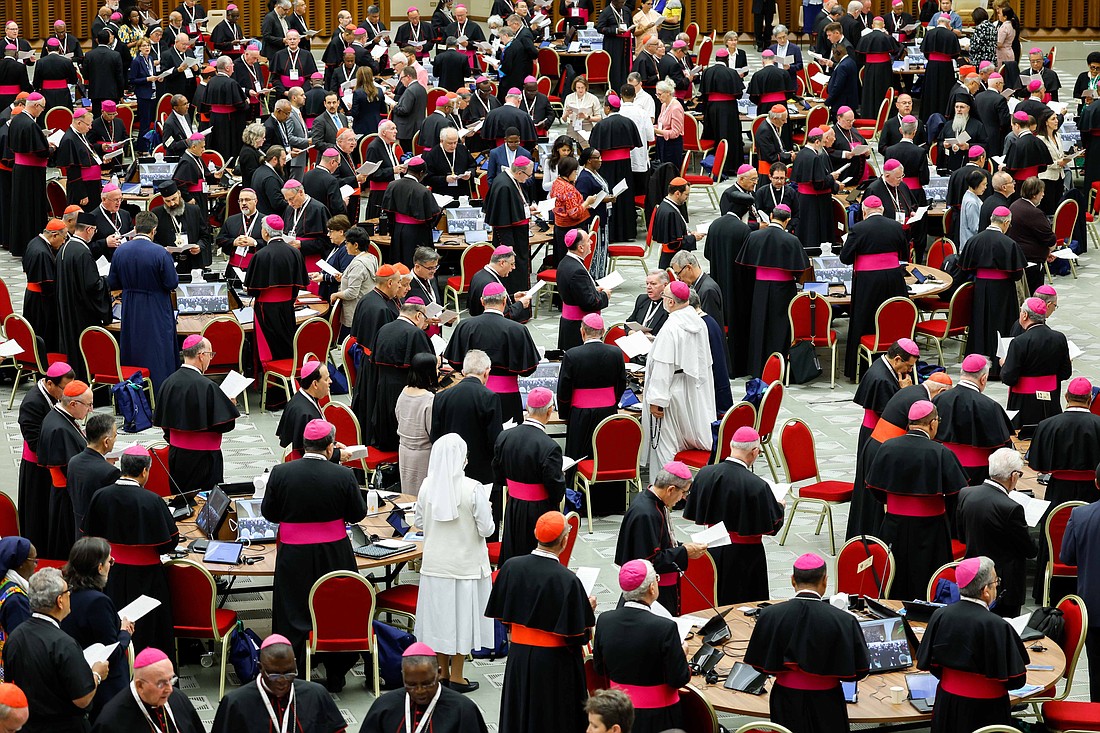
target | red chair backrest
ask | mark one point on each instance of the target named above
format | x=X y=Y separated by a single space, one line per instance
x=884 y=110
x=692 y=31
x=851 y=580
x=691 y=134
x=618 y=331
x=9 y=517
x=213 y=156
x=59 y=118
x=616 y=444
x=5 y=300
x=698 y=715
x=433 y=95
x=811 y=69
x=706 y=47
x=702 y=572
x=897 y=318
x=719 y=166
x=232 y=200
x=312 y=337
x=593 y=680
x=159 y=482
x=799 y=455
x=164 y=107
x=226 y=339
x=349 y=363
x=962 y=308
x=741 y=415
x=545 y=85
x=596 y=67
x=473 y=260
x=817 y=116
x=773 y=369
x=549 y=63
x=192 y=599
x=939 y=251
x=126 y=117
x=55 y=194
x=18 y=329
x=1076 y=622
x=769 y=410
x=363 y=143
x=339 y=606
x=1056 y=528
x=947 y=572
x=345 y=422
x=573 y=520
x=806 y=309
x=100 y=351
x=1065 y=217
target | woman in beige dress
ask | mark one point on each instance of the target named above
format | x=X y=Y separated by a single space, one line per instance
x=414 y=421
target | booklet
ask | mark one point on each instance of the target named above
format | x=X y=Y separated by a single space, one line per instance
x=1033 y=508
x=636 y=344
x=714 y=536
x=235 y=383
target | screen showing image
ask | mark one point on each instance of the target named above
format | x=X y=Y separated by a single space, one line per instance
x=886 y=644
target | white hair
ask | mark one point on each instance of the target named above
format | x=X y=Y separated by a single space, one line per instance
x=1003 y=462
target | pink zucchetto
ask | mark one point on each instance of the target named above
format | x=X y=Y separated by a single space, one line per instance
x=1034 y=84
x=108 y=106
x=683 y=44
x=58 y=369
x=614 y=102
x=136 y=450
x=722 y=53
x=309 y=368
x=1002 y=211
x=745 y=435
x=678 y=469
x=920 y=410
x=966 y=571
x=53 y=43
x=872 y=202
x=782 y=207
x=317 y=429
x=995 y=75
x=414 y=301
x=1036 y=306
x=1036 y=51
x=35 y=97
x=974 y=363
x=530 y=80
x=1020 y=116
x=252 y=47
x=816 y=132
x=745 y=169
x=908 y=119
x=909 y=346
x=149 y=656
x=539 y=397
x=766 y=55
x=418 y=649
x=273 y=640
x=891 y=165
x=976 y=151
x=632 y=575
x=493 y=288
x=514 y=92
x=843 y=110
x=192 y=341
x=274 y=221
x=502 y=250
x=809 y=561
x=680 y=289
x=522 y=161
x=571 y=237
x=593 y=321
x=1079 y=386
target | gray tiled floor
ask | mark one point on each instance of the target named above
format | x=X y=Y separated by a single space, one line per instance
x=830 y=413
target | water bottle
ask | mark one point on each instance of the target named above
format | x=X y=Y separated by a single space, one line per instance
x=372 y=502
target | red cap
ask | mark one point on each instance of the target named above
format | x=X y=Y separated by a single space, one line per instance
x=549 y=527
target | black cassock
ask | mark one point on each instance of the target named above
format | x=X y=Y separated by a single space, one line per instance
x=497 y=121
x=878 y=384
x=7 y=162
x=808 y=636
x=1036 y=364
x=34 y=480
x=725 y=240
x=27 y=142
x=779 y=260
x=1028 y=157
x=997 y=263
x=509 y=346
x=730 y=492
x=123 y=713
x=591 y=382
x=1067 y=446
x=972 y=426
x=771 y=85
x=40 y=300
x=228 y=108
x=373 y=311
x=454 y=713
x=614 y=136
x=646 y=534
x=940 y=47
x=721 y=87
x=309 y=225
x=299 y=410
x=83 y=299
x=544 y=686
x=139 y=526
x=392 y=354
x=876 y=52
x=812 y=173
x=856 y=165
x=915 y=477
x=634 y=647
x=472 y=411
x=413 y=213
x=612 y=24
x=507 y=212
x=528 y=462
x=242 y=710
x=952 y=161
x=971 y=649
x=194 y=180
x=377 y=182
x=318 y=492
x=61 y=439
x=194 y=414
x=82 y=171
x=579 y=297
x=88 y=472
x=874 y=246
x=993 y=525
x=52 y=74
x=670 y=230
x=441 y=164
x=1089 y=125
x=513 y=309
x=275 y=275
x=194 y=224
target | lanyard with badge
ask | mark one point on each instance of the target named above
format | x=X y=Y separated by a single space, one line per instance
x=148 y=718
x=427 y=713
x=284 y=725
x=293 y=232
x=292 y=59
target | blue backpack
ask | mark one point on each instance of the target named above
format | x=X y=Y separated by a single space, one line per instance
x=133 y=404
x=390 y=643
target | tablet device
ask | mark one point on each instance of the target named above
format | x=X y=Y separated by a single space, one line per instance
x=922 y=686
x=851 y=692
x=744 y=678
x=396 y=519
x=223 y=553
x=213 y=513
x=816 y=287
x=887 y=646
x=918 y=275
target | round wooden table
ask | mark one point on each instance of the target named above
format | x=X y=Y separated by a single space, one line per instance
x=940 y=278
x=193 y=324
x=873 y=704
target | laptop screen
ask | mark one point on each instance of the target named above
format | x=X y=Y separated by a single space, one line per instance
x=213 y=513
x=886 y=644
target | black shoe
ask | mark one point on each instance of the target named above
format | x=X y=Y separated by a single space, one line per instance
x=445 y=682
x=469 y=686
x=335 y=685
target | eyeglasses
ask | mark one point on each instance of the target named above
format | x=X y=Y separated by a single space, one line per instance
x=420 y=685
x=275 y=677
x=170 y=682
x=429 y=268
x=681 y=270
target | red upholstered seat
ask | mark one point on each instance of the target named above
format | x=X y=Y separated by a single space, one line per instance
x=550 y=276
x=821 y=340
x=827 y=491
x=495 y=574
x=455 y=283
x=225 y=619
x=127 y=371
x=694 y=458
x=399 y=598
x=280 y=366
x=376 y=457
x=958 y=550
x=584 y=468
x=1063 y=569
x=1065 y=715
x=694 y=180
x=938 y=327
x=933 y=304
x=639 y=201
x=494 y=552
x=626 y=250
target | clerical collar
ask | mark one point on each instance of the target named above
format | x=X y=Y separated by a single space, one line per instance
x=969 y=385
x=637 y=604
x=995 y=485
x=314 y=456
x=922 y=431
x=807 y=593
x=47 y=395
x=44 y=617
x=738 y=461
x=494 y=310
x=534 y=424
x=191 y=366
x=545 y=553
x=979 y=601
x=1078 y=409
x=890 y=367
x=907 y=140
x=127 y=482
x=593 y=341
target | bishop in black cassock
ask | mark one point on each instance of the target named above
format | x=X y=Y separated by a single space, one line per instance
x=1036 y=365
x=303 y=407
x=473 y=411
x=62 y=438
x=243 y=710
x=721 y=87
x=392 y=353
x=89 y=472
x=940 y=47
x=972 y=424
x=228 y=107
x=275 y=275
x=615 y=136
x=580 y=295
x=813 y=175
x=374 y=310
x=83 y=296
x=35 y=481
x=40 y=298
x=508 y=212
x=413 y=211
x=591 y=383
x=514 y=308
x=31 y=151
x=723 y=246
x=670 y=226
x=997 y=263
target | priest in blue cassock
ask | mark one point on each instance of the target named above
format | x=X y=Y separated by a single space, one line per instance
x=146 y=275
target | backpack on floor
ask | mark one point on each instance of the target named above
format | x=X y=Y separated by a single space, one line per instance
x=391 y=643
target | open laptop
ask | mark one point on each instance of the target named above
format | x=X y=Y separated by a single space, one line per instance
x=205 y=297
x=887 y=646
x=211 y=517
x=363 y=546
x=251 y=524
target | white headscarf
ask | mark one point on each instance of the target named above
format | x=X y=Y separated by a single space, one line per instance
x=445 y=470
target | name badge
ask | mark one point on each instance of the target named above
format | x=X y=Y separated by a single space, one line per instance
x=622 y=28
x=156 y=64
x=236 y=47
x=181 y=240
x=1044 y=396
x=453 y=184
x=258 y=87
x=187 y=74
x=293 y=75
x=192 y=28
x=205 y=187
x=291 y=235
x=241 y=251
x=900 y=217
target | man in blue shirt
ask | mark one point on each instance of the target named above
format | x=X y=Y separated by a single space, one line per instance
x=956 y=21
x=1081 y=547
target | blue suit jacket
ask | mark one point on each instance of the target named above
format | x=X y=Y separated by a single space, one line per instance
x=792 y=50
x=1081 y=547
x=844 y=86
x=498 y=158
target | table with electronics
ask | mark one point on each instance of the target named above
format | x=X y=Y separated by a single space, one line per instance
x=187 y=325
x=373 y=524
x=873 y=705
x=457 y=242
x=940 y=278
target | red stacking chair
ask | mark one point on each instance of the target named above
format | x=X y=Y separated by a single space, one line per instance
x=616 y=451
x=1065 y=219
x=160 y=482
x=349 y=362
x=5 y=301
x=195 y=612
x=57 y=198
x=311 y=338
x=30 y=362
x=940 y=250
x=741 y=415
x=800 y=464
x=226 y=337
x=698 y=714
x=1058 y=715
x=617 y=331
x=631 y=252
x=816 y=117
x=59 y=118
x=473 y=259
x=103 y=362
x=708 y=183
x=955 y=326
x=766 y=417
x=593 y=680
x=811 y=320
x=872 y=581
x=126 y=117
x=946 y=572
x=1055 y=529
x=9 y=517
x=347 y=432
x=701 y=593
x=896 y=318
x=341 y=612
x=597 y=67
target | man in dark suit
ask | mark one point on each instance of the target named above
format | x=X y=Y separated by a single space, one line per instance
x=783 y=48
x=649 y=309
x=411 y=109
x=844 y=81
x=451 y=66
x=763 y=14
x=182 y=79
x=322 y=186
x=991 y=108
x=891 y=131
x=470 y=409
x=686 y=267
x=991 y=524
x=1031 y=230
x=328 y=124
x=104 y=73
x=267 y=181
x=178 y=126
x=517 y=59
x=1081 y=547
x=504 y=154
x=274 y=27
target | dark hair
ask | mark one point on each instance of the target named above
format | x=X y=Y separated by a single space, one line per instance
x=895 y=351
x=979 y=15
x=586 y=155
x=69 y=375
x=677 y=189
x=357 y=235
x=1014 y=21
x=423 y=372
x=145 y=222
x=1031 y=187
x=309 y=381
x=82 y=569
x=567 y=165
x=99 y=426
x=510 y=131
x=777 y=167
x=560 y=142
x=834 y=27
x=104 y=36
x=808 y=577
x=339 y=222
x=975 y=178
x=132 y=466
x=1093 y=58
x=613 y=707
x=626 y=91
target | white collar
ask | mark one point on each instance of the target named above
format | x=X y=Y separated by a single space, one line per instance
x=979 y=601
x=995 y=485
x=16 y=578
x=969 y=385
x=534 y=424
x=44 y=617
x=738 y=461
x=811 y=592
x=543 y=553
x=314 y=456
x=191 y=366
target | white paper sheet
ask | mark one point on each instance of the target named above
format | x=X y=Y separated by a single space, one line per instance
x=588 y=577
x=1033 y=508
x=1074 y=350
x=353 y=452
x=235 y=383
x=99 y=653
x=369 y=167
x=138 y=607
x=438 y=344
x=1019 y=623
x=545 y=207
x=534 y=289
x=508 y=425
x=10 y=347
x=917 y=215
x=620 y=188
x=443 y=199
x=820 y=78
x=611 y=280
x=636 y=344
x=716 y=536
x=346 y=191
x=325 y=267
x=103 y=265
x=567 y=462
x=1002 y=345
x=244 y=315
x=1064 y=254
x=778 y=490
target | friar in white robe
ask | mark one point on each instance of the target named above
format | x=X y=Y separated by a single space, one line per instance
x=678 y=408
